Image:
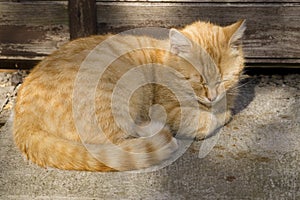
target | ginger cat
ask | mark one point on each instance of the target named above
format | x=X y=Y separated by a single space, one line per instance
x=54 y=126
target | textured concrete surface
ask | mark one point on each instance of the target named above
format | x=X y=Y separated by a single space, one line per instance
x=256 y=157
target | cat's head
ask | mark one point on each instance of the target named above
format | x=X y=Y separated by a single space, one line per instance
x=215 y=52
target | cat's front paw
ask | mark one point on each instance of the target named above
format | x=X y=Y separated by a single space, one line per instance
x=228 y=117
x=208 y=123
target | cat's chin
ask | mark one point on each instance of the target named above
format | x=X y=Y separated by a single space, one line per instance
x=207 y=104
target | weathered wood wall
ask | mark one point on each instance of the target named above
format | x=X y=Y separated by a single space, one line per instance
x=31 y=30
x=82 y=18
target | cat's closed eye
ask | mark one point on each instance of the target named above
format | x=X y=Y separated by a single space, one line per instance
x=194 y=78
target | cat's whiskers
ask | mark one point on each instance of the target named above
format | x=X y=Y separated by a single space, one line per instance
x=240 y=85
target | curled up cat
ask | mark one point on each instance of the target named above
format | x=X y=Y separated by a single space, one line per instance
x=130 y=117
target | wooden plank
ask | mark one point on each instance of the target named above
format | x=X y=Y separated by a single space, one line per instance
x=32 y=30
x=272 y=33
x=206 y=1
x=82 y=18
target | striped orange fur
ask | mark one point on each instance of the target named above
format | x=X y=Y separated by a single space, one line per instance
x=45 y=127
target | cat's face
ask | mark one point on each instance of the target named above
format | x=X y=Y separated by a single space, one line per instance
x=216 y=55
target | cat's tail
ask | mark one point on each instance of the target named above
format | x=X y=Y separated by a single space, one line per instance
x=48 y=150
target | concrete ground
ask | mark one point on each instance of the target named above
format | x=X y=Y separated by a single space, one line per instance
x=256 y=157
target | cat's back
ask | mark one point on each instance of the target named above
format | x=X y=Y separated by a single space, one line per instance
x=45 y=97
x=59 y=69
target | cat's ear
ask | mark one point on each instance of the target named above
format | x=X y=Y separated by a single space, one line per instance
x=235 y=32
x=178 y=42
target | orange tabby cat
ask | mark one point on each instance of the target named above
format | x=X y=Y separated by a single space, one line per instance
x=48 y=132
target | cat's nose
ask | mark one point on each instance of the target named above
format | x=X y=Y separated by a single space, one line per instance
x=211 y=95
x=211 y=99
